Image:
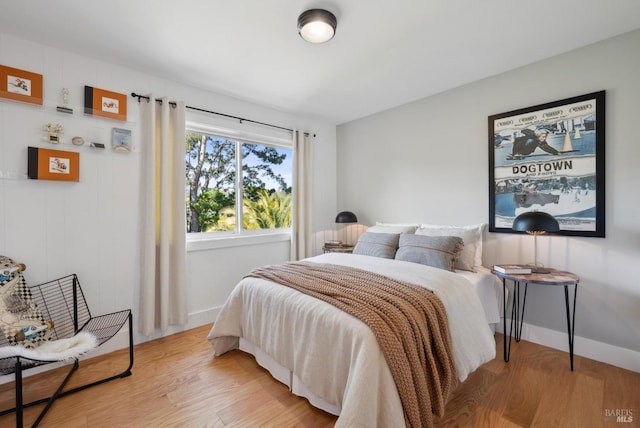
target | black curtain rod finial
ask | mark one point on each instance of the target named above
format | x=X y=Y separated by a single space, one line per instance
x=134 y=95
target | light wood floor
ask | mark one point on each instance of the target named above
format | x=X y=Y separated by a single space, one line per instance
x=176 y=383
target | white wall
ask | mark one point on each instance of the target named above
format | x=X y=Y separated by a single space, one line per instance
x=91 y=227
x=427 y=161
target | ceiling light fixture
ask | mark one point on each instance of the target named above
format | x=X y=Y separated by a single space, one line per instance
x=317 y=25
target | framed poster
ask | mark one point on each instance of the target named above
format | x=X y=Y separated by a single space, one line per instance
x=20 y=85
x=58 y=165
x=103 y=103
x=550 y=158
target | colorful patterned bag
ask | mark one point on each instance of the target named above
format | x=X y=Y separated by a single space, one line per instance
x=21 y=321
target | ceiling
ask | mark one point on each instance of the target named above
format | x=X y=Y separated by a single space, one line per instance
x=385 y=53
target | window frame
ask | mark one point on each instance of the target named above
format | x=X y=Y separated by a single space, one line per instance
x=239 y=237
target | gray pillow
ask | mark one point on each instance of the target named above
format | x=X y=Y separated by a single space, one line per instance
x=382 y=245
x=437 y=251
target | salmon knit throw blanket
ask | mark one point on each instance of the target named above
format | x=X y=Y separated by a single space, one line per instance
x=408 y=321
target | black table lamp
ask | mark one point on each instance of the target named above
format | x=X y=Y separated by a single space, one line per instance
x=346 y=217
x=536 y=223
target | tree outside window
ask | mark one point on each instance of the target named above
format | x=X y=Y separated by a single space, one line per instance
x=216 y=195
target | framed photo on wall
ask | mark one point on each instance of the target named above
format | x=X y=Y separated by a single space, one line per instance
x=550 y=158
x=20 y=85
x=103 y=103
x=57 y=165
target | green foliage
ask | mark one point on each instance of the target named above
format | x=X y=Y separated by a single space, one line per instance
x=209 y=206
x=252 y=177
x=268 y=211
x=211 y=174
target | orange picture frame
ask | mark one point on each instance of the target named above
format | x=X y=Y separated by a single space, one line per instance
x=57 y=165
x=20 y=85
x=103 y=103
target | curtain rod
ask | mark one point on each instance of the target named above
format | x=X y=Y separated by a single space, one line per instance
x=241 y=119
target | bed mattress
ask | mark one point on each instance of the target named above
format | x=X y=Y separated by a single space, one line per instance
x=332 y=358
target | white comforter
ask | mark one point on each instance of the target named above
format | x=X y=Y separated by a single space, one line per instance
x=336 y=355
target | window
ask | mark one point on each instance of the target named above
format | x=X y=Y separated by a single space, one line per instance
x=229 y=179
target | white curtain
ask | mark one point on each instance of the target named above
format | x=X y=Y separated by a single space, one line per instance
x=302 y=184
x=163 y=282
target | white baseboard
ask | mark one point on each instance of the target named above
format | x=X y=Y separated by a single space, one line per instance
x=599 y=351
x=206 y=316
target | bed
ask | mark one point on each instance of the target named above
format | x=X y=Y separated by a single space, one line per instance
x=332 y=358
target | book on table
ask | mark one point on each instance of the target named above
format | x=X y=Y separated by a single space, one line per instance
x=513 y=269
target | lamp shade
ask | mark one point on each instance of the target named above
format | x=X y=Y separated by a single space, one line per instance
x=317 y=25
x=346 y=217
x=535 y=223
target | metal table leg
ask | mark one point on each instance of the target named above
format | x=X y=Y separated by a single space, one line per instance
x=505 y=352
x=517 y=315
x=571 y=319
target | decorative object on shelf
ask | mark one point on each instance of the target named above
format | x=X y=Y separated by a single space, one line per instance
x=121 y=139
x=57 y=165
x=77 y=141
x=20 y=85
x=317 y=25
x=54 y=132
x=513 y=269
x=536 y=223
x=96 y=136
x=65 y=102
x=550 y=157
x=103 y=103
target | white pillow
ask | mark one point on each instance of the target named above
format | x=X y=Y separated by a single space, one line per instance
x=471 y=254
x=393 y=228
